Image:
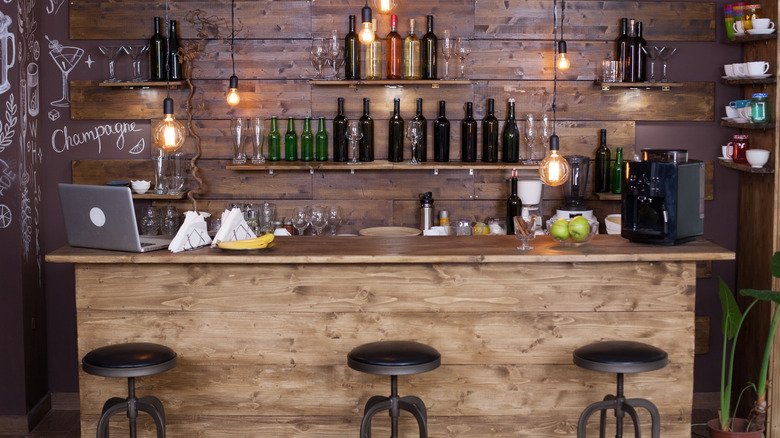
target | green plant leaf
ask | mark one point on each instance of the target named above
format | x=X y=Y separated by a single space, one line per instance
x=766 y=295
x=776 y=265
x=732 y=316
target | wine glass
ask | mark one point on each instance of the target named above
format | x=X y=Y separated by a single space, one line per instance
x=525 y=231
x=462 y=50
x=652 y=54
x=333 y=215
x=111 y=52
x=335 y=53
x=354 y=133
x=319 y=55
x=135 y=52
x=447 y=47
x=530 y=133
x=414 y=134
x=66 y=58
x=665 y=53
x=300 y=220
x=543 y=131
x=238 y=128
x=257 y=133
x=317 y=218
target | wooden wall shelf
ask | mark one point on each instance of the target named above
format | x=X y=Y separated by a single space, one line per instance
x=770 y=80
x=663 y=86
x=434 y=83
x=750 y=38
x=609 y=196
x=142 y=84
x=378 y=165
x=154 y=197
x=745 y=167
x=747 y=125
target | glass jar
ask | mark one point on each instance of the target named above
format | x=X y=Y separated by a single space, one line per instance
x=497 y=225
x=751 y=12
x=759 y=108
x=740 y=144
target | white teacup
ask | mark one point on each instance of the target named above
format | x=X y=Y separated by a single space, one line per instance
x=738 y=30
x=740 y=70
x=762 y=23
x=744 y=112
x=731 y=112
x=727 y=151
x=729 y=70
x=757 y=68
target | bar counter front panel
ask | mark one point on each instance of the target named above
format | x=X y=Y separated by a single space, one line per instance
x=262 y=337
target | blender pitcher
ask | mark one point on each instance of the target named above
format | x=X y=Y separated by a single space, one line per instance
x=7 y=52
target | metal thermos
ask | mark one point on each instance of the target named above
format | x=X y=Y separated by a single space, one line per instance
x=426 y=210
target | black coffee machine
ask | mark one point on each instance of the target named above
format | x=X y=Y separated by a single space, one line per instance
x=663 y=198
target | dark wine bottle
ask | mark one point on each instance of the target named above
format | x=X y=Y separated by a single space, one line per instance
x=340 y=134
x=511 y=136
x=307 y=141
x=321 y=141
x=351 y=52
x=395 y=134
x=632 y=54
x=642 y=57
x=394 y=48
x=422 y=147
x=157 y=50
x=514 y=206
x=428 y=47
x=490 y=135
x=366 y=143
x=621 y=49
x=441 y=135
x=175 y=59
x=468 y=135
x=274 y=142
x=601 y=166
x=290 y=141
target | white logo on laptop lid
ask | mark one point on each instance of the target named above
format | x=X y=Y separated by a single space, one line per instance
x=97 y=216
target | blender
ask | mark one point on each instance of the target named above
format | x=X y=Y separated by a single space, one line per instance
x=574 y=190
x=530 y=193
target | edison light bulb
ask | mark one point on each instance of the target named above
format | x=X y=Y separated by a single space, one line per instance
x=233 y=98
x=384 y=6
x=554 y=169
x=168 y=134
x=563 y=62
x=366 y=34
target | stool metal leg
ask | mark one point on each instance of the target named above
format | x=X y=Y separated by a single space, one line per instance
x=155 y=414
x=102 y=429
x=416 y=407
x=654 y=415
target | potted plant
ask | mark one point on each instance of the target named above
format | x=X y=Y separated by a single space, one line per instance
x=726 y=425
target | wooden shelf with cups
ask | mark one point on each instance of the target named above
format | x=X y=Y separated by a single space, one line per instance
x=153 y=197
x=744 y=167
x=143 y=84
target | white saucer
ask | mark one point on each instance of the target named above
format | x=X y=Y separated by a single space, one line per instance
x=740 y=120
x=762 y=76
x=725 y=159
x=740 y=33
x=760 y=31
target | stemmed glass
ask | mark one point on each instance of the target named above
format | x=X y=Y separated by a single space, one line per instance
x=525 y=231
x=66 y=58
x=665 y=53
x=111 y=52
x=317 y=218
x=238 y=128
x=333 y=215
x=319 y=55
x=257 y=133
x=462 y=50
x=530 y=133
x=354 y=133
x=135 y=53
x=335 y=53
x=414 y=134
x=652 y=54
x=536 y=154
x=300 y=220
x=447 y=47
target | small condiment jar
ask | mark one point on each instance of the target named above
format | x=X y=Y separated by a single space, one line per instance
x=444 y=218
x=759 y=108
x=740 y=145
x=751 y=12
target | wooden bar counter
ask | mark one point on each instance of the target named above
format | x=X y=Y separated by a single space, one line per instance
x=262 y=336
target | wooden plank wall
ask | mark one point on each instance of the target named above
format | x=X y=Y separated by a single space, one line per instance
x=511 y=57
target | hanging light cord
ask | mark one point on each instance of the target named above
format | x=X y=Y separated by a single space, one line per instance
x=167 y=55
x=555 y=56
x=232 y=33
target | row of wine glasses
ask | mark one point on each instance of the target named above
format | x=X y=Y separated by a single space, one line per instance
x=240 y=129
x=134 y=51
x=653 y=52
x=454 y=46
x=318 y=218
x=326 y=51
x=536 y=129
x=414 y=132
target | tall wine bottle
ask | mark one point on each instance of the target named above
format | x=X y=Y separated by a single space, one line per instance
x=632 y=54
x=428 y=47
x=514 y=206
x=411 y=54
x=422 y=146
x=274 y=141
x=490 y=135
x=373 y=56
x=340 y=134
x=157 y=50
x=307 y=141
x=366 y=143
x=617 y=172
x=511 y=136
x=395 y=134
x=441 y=135
x=642 y=57
x=394 y=50
x=621 y=49
x=602 y=176
x=175 y=59
x=321 y=141
x=351 y=52
x=468 y=135
x=290 y=141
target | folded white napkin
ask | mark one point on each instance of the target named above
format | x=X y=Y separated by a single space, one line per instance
x=192 y=234
x=281 y=232
x=234 y=227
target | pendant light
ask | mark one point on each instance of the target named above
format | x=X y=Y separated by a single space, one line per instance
x=562 y=60
x=233 y=98
x=385 y=7
x=168 y=134
x=554 y=169
x=366 y=34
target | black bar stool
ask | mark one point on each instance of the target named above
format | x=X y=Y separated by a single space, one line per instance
x=620 y=357
x=394 y=358
x=130 y=360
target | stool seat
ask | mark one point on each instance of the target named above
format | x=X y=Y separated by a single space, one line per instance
x=129 y=360
x=394 y=358
x=620 y=357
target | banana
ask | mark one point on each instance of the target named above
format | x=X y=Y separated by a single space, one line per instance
x=256 y=243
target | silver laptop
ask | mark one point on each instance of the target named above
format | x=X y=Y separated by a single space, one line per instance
x=103 y=217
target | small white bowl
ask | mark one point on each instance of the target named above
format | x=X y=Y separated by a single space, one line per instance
x=140 y=187
x=757 y=157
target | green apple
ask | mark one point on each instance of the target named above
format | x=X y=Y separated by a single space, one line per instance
x=560 y=229
x=579 y=228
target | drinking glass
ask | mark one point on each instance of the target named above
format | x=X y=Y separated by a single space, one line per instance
x=257 y=133
x=159 y=163
x=238 y=128
x=652 y=54
x=543 y=131
x=665 y=53
x=530 y=134
x=252 y=221
x=462 y=50
x=300 y=220
x=354 y=133
x=149 y=222
x=66 y=58
x=525 y=231
x=335 y=53
x=111 y=52
x=447 y=47
x=414 y=134
x=317 y=218
x=333 y=215
x=135 y=52
x=319 y=55
x=175 y=175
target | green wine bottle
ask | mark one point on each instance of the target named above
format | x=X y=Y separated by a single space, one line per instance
x=290 y=141
x=617 y=172
x=274 y=142
x=307 y=141
x=321 y=141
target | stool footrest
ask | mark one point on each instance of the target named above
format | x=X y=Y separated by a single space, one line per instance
x=620 y=405
x=394 y=405
x=149 y=404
